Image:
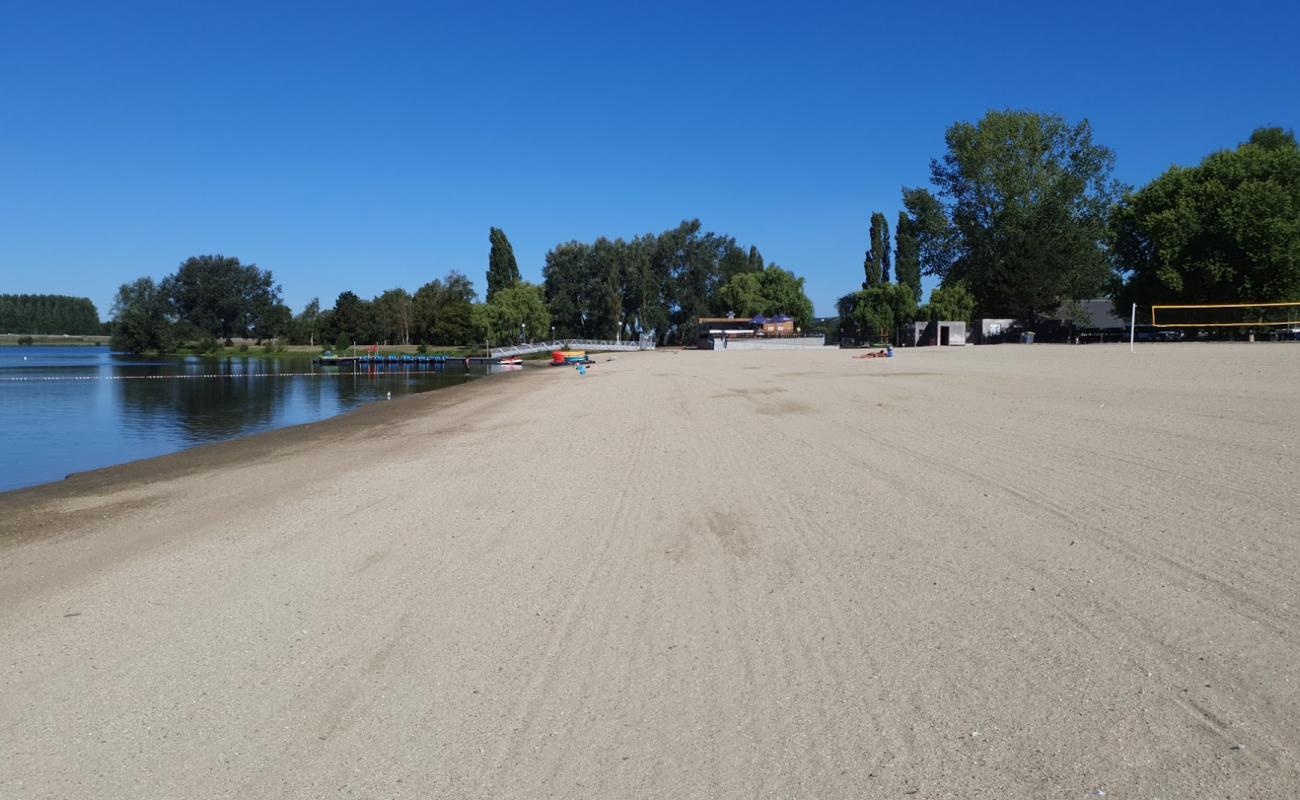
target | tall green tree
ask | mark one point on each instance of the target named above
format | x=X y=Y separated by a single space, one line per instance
x=503 y=270
x=928 y=225
x=770 y=292
x=876 y=313
x=142 y=319
x=661 y=284
x=691 y=259
x=644 y=283
x=442 y=311
x=352 y=319
x=394 y=310
x=306 y=326
x=1226 y=231
x=583 y=287
x=1029 y=196
x=876 y=263
x=952 y=301
x=515 y=314
x=907 y=256
x=221 y=297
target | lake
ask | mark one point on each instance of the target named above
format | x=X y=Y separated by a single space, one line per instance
x=71 y=409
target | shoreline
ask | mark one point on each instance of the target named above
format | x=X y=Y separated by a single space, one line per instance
x=251 y=446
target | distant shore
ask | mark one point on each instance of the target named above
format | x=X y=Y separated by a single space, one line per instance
x=44 y=340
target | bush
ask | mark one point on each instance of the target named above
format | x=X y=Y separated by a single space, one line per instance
x=422 y=349
x=27 y=340
x=243 y=348
x=342 y=343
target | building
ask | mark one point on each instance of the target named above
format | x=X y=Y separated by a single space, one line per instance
x=995 y=331
x=1091 y=321
x=760 y=332
x=937 y=332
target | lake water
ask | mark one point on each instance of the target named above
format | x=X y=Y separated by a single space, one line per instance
x=71 y=409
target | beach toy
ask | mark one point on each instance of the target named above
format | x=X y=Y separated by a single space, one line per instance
x=582 y=369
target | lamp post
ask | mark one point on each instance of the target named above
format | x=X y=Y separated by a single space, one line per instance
x=523 y=332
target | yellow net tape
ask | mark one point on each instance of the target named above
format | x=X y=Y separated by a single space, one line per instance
x=1247 y=315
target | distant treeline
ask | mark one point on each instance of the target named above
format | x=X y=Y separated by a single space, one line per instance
x=1025 y=220
x=654 y=286
x=49 y=314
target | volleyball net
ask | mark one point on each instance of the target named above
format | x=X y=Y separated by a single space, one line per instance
x=1227 y=315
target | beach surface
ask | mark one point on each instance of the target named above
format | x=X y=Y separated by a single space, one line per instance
x=1026 y=572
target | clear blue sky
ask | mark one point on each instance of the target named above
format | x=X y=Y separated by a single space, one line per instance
x=364 y=146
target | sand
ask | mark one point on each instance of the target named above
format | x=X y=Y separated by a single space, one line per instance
x=1032 y=572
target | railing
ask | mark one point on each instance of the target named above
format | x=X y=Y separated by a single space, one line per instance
x=572 y=344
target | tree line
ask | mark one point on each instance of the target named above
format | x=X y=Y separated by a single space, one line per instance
x=1022 y=219
x=1025 y=219
x=654 y=285
x=49 y=314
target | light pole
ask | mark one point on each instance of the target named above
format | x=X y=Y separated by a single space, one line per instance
x=523 y=332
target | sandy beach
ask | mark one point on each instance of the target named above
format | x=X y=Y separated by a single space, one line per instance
x=1026 y=572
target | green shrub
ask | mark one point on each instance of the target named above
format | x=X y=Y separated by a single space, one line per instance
x=26 y=340
x=342 y=343
x=243 y=348
x=422 y=349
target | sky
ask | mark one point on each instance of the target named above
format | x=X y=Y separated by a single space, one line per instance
x=365 y=146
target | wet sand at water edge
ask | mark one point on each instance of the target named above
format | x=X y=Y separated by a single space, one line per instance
x=1010 y=571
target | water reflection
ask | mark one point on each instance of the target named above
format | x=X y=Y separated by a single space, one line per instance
x=119 y=409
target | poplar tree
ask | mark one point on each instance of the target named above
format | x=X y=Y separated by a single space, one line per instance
x=876 y=263
x=907 y=256
x=503 y=270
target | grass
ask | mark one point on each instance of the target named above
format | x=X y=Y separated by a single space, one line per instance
x=38 y=340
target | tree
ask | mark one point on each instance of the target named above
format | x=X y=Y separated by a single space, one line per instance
x=220 y=297
x=928 y=224
x=583 y=286
x=770 y=292
x=1225 y=231
x=503 y=271
x=692 y=263
x=661 y=284
x=644 y=286
x=907 y=256
x=951 y=301
x=393 y=311
x=142 y=321
x=876 y=312
x=1029 y=196
x=272 y=323
x=514 y=314
x=352 y=318
x=441 y=311
x=48 y=314
x=734 y=261
x=876 y=263
x=305 y=328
